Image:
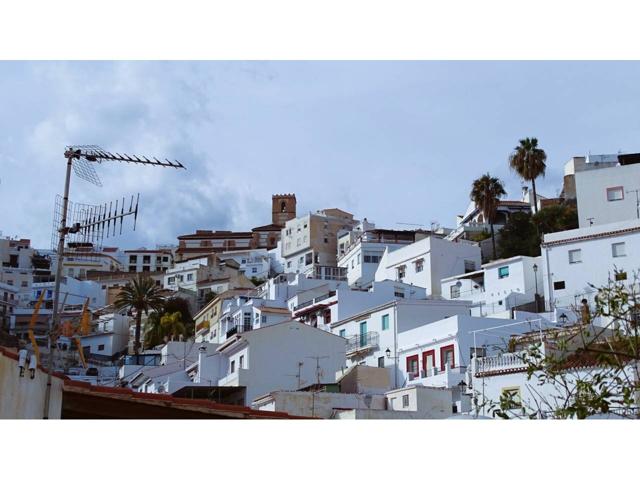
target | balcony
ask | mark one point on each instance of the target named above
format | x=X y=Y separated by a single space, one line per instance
x=361 y=344
x=499 y=364
x=239 y=329
x=438 y=377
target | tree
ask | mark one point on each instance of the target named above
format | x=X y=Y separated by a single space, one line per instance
x=179 y=304
x=519 y=237
x=486 y=192
x=141 y=294
x=529 y=162
x=590 y=368
x=556 y=218
x=162 y=327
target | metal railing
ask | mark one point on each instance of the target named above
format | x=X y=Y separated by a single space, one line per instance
x=239 y=329
x=367 y=341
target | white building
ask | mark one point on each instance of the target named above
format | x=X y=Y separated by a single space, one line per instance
x=577 y=262
x=242 y=314
x=284 y=356
x=109 y=336
x=360 y=251
x=426 y=262
x=605 y=187
x=253 y=263
x=499 y=286
x=145 y=260
x=370 y=333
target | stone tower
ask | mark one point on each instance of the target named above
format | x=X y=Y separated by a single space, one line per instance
x=283 y=208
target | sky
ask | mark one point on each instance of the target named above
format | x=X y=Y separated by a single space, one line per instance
x=396 y=142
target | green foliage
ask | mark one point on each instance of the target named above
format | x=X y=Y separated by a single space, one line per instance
x=529 y=162
x=141 y=294
x=585 y=369
x=486 y=192
x=556 y=218
x=522 y=233
x=519 y=237
x=162 y=328
x=256 y=281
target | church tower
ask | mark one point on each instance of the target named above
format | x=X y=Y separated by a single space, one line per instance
x=283 y=208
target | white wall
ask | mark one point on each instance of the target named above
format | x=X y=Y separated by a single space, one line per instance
x=597 y=262
x=591 y=193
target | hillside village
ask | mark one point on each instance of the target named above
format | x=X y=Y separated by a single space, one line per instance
x=326 y=314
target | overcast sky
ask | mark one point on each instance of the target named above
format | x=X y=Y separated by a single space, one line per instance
x=390 y=141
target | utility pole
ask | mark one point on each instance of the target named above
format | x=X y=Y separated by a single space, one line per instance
x=93 y=221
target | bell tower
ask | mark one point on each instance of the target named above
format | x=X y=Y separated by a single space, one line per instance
x=283 y=208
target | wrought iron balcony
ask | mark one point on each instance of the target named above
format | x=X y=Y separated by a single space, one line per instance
x=239 y=329
x=361 y=343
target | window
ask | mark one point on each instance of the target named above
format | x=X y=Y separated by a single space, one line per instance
x=132 y=268
x=254 y=270
x=146 y=268
x=172 y=280
x=343 y=333
x=503 y=272
x=358 y=259
x=326 y=240
x=455 y=291
x=575 y=256
x=559 y=285
x=512 y=396
x=618 y=250
x=412 y=366
x=380 y=362
x=146 y=259
x=478 y=352
x=241 y=365
x=447 y=357
x=398 y=292
x=469 y=266
x=615 y=193
x=385 y=322
x=327 y=316
x=133 y=258
x=405 y=401
x=621 y=276
x=232 y=367
x=308 y=258
x=419 y=264
x=101 y=347
x=165 y=259
x=25 y=284
x=401 y=272
x=189 y=277
x=70 y=272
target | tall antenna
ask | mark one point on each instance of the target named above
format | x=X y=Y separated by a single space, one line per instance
x=89 y=221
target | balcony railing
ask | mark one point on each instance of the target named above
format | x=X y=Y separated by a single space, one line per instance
x=239 y=329
x=500 y=363
x=361 y=343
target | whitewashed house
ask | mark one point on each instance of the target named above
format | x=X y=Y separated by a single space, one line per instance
x=284 y=356
x=577 y=262
x=253 y=263
x=109 y=336
x=605 y=187
x=360 y=251
x=499 y=286
x=373 y=334
x=426 y=262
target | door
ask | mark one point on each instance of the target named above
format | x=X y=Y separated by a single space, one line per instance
x=428 y=362
x=363 y=334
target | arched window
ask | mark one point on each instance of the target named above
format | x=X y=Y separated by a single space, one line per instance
x=283 y=206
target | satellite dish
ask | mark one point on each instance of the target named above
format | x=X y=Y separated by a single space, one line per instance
x=458 y=284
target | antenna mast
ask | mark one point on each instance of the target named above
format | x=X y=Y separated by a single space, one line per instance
x=93 y=222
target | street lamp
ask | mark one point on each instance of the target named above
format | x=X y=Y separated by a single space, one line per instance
x=395 y=366
x=563 y=318
x=388 y=352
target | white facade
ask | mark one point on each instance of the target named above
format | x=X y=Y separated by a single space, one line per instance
x=426 y=262
x=253 y=263
x=604 y=189
x=8 y=302
x=500 y=285
x=284 y=356
x=370 y=333
x=110 y=335
x=143 y=260
x=574 y=260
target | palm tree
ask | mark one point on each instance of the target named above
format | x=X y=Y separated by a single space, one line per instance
x=153 y=334
x=529 y=162
x=485 y=193
x=141 y=294
x=172 y=325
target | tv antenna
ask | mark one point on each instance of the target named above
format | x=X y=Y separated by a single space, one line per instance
x=89 y=221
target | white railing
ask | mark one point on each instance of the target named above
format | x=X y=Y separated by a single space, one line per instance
x=506 y=361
